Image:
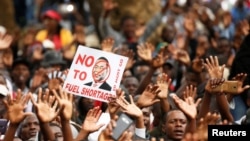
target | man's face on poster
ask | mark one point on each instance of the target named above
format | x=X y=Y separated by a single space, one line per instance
x=100 y=70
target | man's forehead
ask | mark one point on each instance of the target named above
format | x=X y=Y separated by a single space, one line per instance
x=176 y=114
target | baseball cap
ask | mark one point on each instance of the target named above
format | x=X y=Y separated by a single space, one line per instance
x=3 y=90
x=52 y=14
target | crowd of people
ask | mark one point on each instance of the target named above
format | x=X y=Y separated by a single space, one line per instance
x=194 y=73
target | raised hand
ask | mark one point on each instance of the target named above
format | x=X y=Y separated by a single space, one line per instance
x=38 y=79
x=46 y=110
x=107 y=44
x=163 y=82
x=189 y=24
x=160 y=59
x=182 y=56
x=180 y=41
x=149 y=96
x=113 y=107
x=131 y=61
x=213 y=67
x=126 y=136
x=56 y=79
x=15 y=107
x=189 y=107
x=240 y=78
x=90 y=123
x=144 y=51
x=129 y=108
x=106 y=134
x=197 y=65
x=190 y=137
x=37 y=54
x=190 y=91
x=202 y=127
x=108 y=5
x=65 y=100
x=213 y=83
x=5 y=41
x=244 y=27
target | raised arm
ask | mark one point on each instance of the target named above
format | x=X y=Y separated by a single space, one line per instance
x=104 y=23
x=15 y=113
x=45 y=113
x=90 y=124
x=65 y=100
x=188 y=106
x=155 y=63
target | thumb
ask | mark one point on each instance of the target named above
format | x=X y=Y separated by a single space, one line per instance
x=197 y=102
x=156 y=100
x=246 y=87
x=28 y=114
x=100 y=126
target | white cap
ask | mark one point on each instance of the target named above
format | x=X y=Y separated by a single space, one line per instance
x=4 y=90
x=48 y=44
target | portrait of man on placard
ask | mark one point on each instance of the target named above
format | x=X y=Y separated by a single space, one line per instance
x=100 y=73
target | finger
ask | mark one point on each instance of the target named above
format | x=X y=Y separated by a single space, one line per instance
x=56 y=95
x=198 y=101
x=246 y=87
x=123 y=136
x=25 y=99
x=5 y=102
x=208 y=64
x=39 y=95
x=222 y=68
x=131 y=99
x=55 y=105
x=125 y=101
x=95 y=111
x=99 y=126
x=28 y=114
x=244 y=77
x=157 y=92
x=46 y=96
x=98 y=114
x=212 y=60
x=156 y=100
x=19 y=95
x=58 y=111
x=9 y=100
x=70 y=97
x=216 y=61
x=61 y=93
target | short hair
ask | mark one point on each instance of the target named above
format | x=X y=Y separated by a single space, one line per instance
x=103 y=58
x=165 y=116
x=125 y=18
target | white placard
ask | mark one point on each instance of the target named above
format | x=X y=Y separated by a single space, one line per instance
x=95 y=74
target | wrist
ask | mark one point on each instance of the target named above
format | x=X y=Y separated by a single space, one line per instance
x=14 y=125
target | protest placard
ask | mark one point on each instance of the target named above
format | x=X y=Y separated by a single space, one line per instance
x=95 y=74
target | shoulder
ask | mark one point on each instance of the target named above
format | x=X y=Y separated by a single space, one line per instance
x=89 y=83
x=65 y=31
x=41 y=35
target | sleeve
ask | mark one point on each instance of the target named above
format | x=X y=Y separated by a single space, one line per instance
x=140 y=132
x=107 y=31
x=151 y=26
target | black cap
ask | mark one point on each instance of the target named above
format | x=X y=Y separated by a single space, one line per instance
x=52 y=57
x=22 y=61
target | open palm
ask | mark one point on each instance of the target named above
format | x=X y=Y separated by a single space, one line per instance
x=15 y=107
x=65 y=100
x=149 y=96
x=90 y=123
x=45 y=111
x=163 y=81
x=188 y=106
